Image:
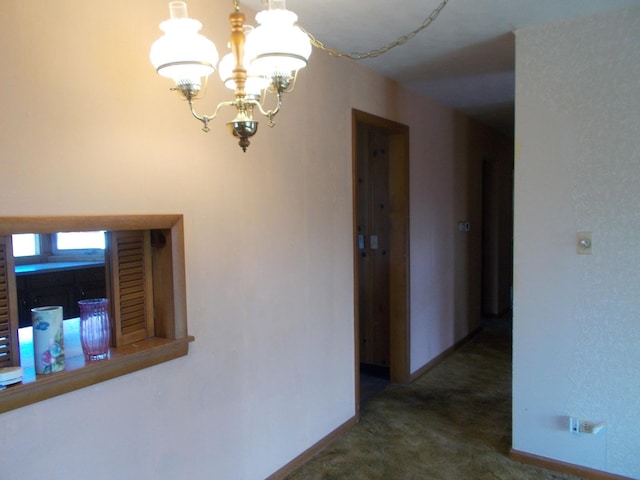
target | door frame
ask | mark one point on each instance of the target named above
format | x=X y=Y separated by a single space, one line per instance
x=399 y=331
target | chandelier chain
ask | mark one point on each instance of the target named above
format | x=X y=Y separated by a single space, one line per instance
x=377 y=52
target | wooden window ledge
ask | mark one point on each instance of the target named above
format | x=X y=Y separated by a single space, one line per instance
x=141 y=337
x=79 y=373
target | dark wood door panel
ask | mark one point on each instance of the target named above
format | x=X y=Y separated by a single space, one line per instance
x=373 y=230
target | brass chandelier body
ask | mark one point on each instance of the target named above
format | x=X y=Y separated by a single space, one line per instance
x=243 y=126
x=264 y=60
x=186 y=56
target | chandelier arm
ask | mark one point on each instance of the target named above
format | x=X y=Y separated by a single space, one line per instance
x=268 y=113
x=401 y=40
x=205 y=119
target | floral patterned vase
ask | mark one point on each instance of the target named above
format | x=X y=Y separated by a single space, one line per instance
x=48 y=339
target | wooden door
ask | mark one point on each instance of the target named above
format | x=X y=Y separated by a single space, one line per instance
x=381 y=268
x=373 y=236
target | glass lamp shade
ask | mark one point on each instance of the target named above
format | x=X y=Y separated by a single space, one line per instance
x=183 y=54
x=277 y=47
x=255 y=83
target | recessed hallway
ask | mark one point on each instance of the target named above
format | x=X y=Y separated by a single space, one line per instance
x=452 y=423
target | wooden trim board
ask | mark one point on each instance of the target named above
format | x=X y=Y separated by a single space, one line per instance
x=563 y=467
x=435 y=361
x=310 y=452
x=399 y=331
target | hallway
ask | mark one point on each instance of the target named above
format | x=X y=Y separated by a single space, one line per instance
x=452 y=423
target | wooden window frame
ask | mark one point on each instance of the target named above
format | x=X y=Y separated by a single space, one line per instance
x=170 y=339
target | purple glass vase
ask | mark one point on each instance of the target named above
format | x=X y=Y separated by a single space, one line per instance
x=95 y=330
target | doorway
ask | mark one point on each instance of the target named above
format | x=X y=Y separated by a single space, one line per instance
x=497 y=238
x=381 y=248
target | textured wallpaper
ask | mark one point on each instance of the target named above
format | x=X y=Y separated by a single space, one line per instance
x=577 y=170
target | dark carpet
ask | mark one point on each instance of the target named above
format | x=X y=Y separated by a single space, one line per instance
x=452 y=423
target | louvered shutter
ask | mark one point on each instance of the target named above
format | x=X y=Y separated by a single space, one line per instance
x=130 y=288
x=9 y=346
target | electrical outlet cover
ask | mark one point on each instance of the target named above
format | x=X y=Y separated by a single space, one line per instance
x=574 y=425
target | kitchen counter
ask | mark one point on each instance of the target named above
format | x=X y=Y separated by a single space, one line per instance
x=53 y=267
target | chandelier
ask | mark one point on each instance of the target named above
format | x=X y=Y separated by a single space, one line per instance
x=262 y=66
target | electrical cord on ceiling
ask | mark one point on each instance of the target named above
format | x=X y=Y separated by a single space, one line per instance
x=376 y=53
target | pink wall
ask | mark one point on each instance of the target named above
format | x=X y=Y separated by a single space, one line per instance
x=88 y=127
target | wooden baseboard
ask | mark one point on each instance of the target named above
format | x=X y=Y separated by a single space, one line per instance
x=305 y=456
x=434 y=362
x=563 y=467
x=310 y=452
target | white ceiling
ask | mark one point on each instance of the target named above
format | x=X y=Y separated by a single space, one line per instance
x=465 y=59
